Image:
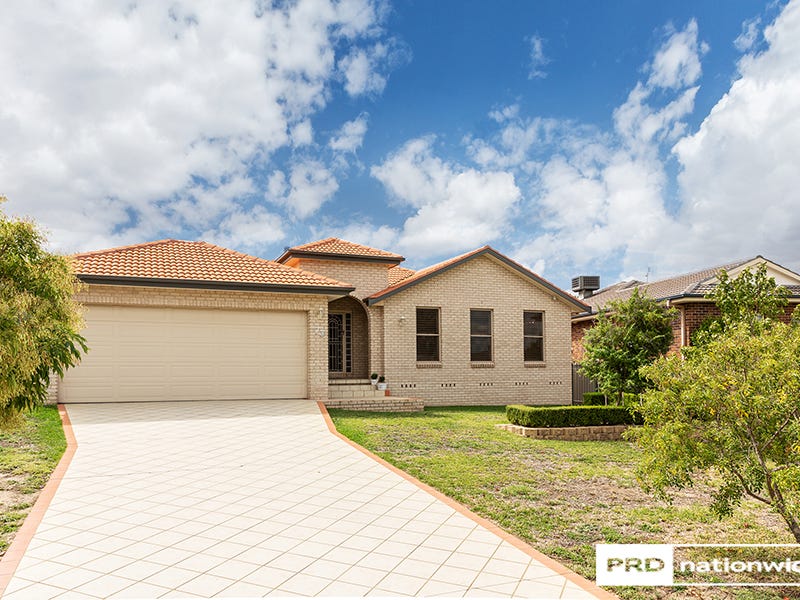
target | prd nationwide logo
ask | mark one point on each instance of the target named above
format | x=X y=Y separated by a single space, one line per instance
x=634 y=564
x=698 y=564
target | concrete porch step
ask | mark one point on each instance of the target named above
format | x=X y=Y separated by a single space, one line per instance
x=354 y=392
x=348 y=382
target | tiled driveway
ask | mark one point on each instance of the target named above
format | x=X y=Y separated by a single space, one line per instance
x=247 y=499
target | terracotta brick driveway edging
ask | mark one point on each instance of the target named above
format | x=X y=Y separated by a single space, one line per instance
x=556 y=566
x=24 y=535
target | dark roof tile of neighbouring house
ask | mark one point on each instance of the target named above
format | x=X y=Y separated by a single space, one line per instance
x=424 y=274
x=184 y=261
x=334 y=247
x=695 y=284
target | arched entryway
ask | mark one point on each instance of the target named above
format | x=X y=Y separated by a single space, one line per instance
x=348 y=339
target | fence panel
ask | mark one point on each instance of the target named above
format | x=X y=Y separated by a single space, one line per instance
x=580 y=385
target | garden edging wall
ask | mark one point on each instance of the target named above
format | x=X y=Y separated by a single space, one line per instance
x=593 y=433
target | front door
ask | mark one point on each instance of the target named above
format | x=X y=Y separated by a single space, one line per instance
x=340 y=360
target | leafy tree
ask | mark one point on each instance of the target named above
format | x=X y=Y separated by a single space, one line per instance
x=732 y=406
x=752 y=298
x=39 y=319
x=628 y=335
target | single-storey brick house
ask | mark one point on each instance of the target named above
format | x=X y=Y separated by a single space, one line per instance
x=180 y=320
x=686 y=293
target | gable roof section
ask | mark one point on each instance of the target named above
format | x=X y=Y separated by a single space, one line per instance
x=442 y=267
x=686 y=285
x=178 y=263
x=335 y=248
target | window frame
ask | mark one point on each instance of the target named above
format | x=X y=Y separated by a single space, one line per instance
x=489 y=336
x=526 y=336
x=437 y=335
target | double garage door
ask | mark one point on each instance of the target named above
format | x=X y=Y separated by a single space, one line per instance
x=156 y=354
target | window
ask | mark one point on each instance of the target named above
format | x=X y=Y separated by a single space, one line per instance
x=427 y=334
x=533 y=335
x=480 y=335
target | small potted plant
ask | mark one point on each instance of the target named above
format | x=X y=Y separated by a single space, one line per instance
x=373 y=379
x=381 y=383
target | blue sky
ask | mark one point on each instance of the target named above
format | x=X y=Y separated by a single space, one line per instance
x=625 y=139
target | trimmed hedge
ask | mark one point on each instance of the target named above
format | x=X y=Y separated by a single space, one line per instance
x=570 y=416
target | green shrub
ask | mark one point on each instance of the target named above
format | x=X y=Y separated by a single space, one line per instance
x=594 y=399
x=599 y=399
x=570 y=416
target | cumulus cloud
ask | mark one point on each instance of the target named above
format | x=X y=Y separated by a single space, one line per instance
x=122 y=121
x=749 y=36
x=739 y=178
x=455 y=208
x=537 y=58
x=351 y=135
x=594 y=197
x=677 y=62
x=310 y=185
x=247 y=230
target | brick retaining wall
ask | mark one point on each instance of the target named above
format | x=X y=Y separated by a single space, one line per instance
x=595 y=433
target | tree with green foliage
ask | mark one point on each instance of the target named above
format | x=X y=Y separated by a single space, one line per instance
x=626 y=336
x=731 y=406
x=752 y=298
x=39 y=318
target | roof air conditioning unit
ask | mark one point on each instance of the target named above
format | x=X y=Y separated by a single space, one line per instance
x=585 y=285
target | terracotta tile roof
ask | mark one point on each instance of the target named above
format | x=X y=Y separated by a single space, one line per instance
x=398 y=274
x=194 y=261
x=338 y=247
x=433 y=270
x=686 y=283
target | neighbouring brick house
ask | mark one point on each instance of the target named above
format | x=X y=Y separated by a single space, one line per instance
x=686 y=293
x=179 y=320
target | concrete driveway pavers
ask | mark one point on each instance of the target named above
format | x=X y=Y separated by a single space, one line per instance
x=251 y=499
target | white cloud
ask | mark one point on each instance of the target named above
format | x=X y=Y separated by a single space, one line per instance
x=749 y=36
x=364 y=232
x=360 y=73
x=538 y=60
x=310 y=185
x=113 y=110
x=739 y=177
x=351 y=135
x=455 y=208
x=595 y=197
x=247 y=229
x=302 y=133
x=677 y=62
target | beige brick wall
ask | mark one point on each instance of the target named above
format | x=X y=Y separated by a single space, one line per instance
x=367 y=277
x=484 y=284
x=315 y=307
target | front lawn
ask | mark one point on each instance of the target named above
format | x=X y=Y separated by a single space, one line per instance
x=27 y=457
x=561 y=497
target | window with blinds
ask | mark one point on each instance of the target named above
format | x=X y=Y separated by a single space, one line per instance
x=480 y=335
x=533 y=335
x=427 y=334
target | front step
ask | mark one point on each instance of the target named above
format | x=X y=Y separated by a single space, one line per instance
x=347 y=389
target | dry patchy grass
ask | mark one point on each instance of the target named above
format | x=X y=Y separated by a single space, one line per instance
x=561 y=497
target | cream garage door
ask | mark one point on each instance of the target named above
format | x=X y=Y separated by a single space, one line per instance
x=152 y=354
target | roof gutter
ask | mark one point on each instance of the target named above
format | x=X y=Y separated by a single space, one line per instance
x=214 y=285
